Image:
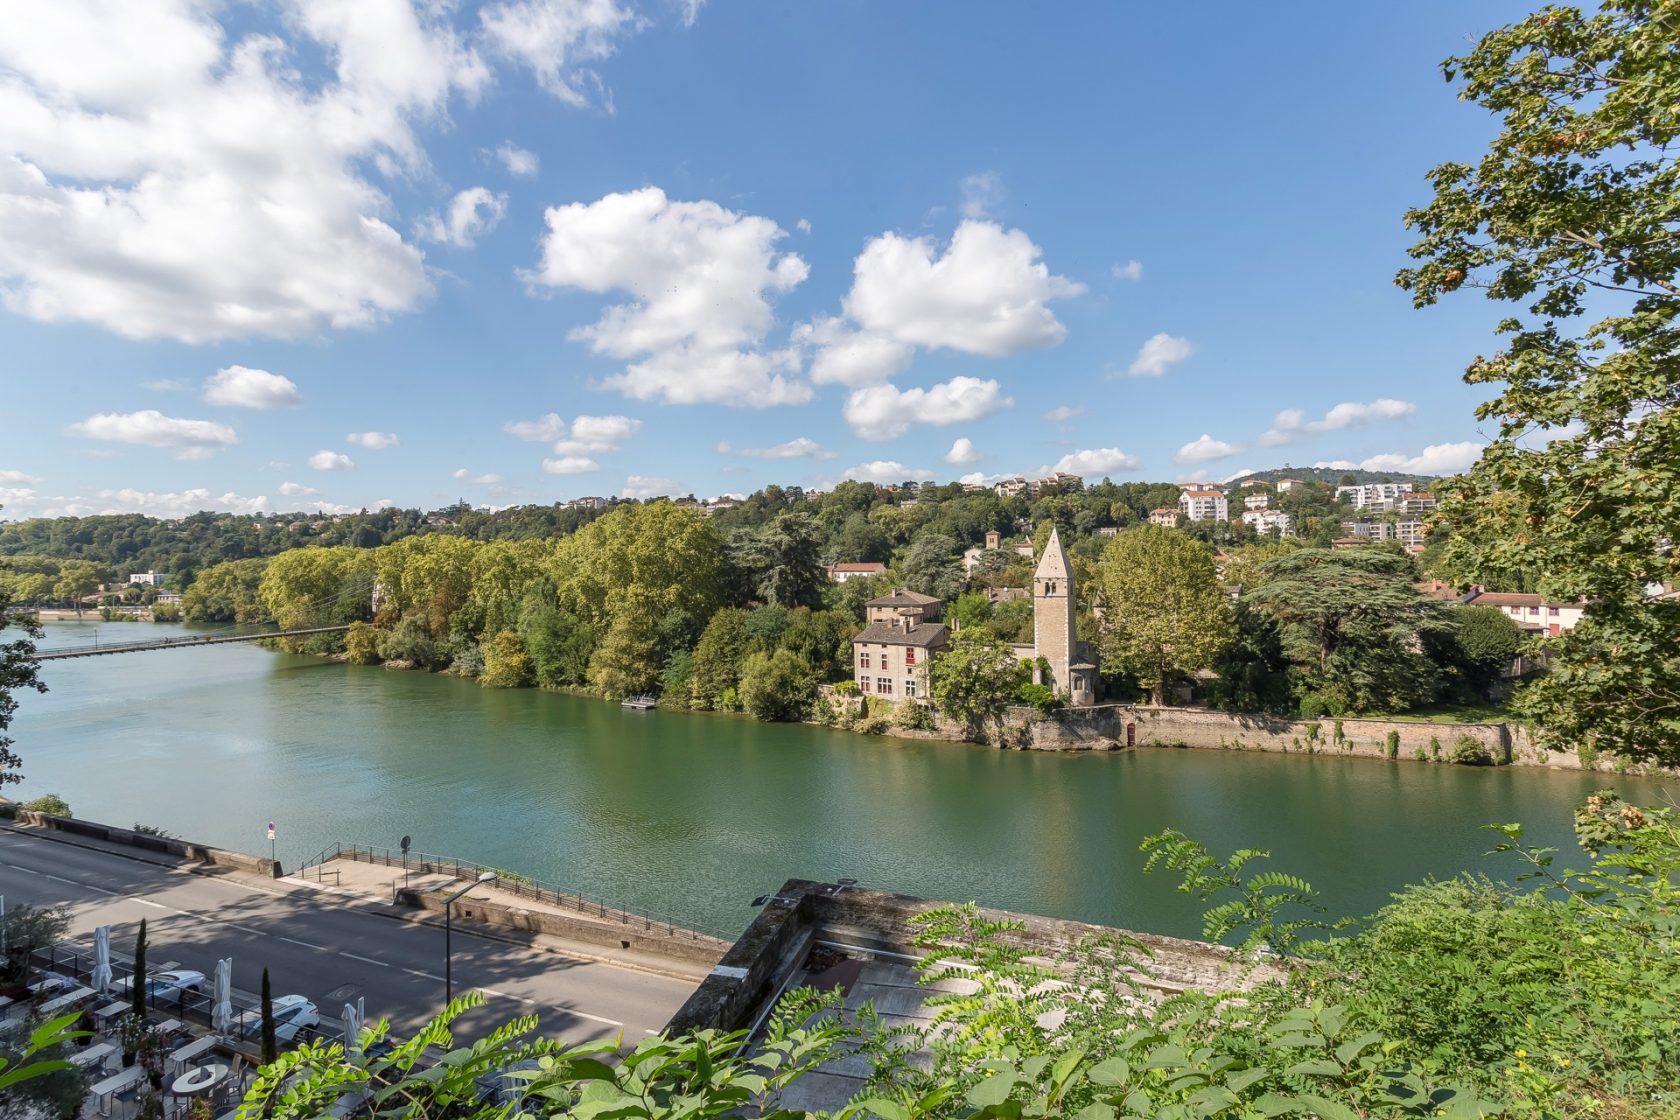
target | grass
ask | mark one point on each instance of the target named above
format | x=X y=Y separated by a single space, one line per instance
x=1449 y=713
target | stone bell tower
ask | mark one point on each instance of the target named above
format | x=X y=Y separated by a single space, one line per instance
x=1054 y=607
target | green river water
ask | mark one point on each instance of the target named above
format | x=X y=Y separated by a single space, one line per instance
x=691 y=816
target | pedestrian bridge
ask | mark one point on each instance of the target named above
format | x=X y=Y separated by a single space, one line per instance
x=178 y=641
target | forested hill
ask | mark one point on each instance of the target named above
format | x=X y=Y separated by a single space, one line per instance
x=1336 y=476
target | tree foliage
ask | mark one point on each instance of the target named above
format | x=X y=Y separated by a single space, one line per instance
x=1572 y=215
x=18 y=670
x=777 y=686
x=1164 y=612
x=975 y=679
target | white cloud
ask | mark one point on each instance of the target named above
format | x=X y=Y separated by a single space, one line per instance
x=1099 y=460
x=638 y=486
x=472 y=213
x=1244 y=473
x=886 y=471
x=170 y=177
x=987 y=294
x=517 y=160
x=884 y=411
x=296 y=490
x=325 y=460
x=1157 y=353
x=18 y=478
x=700 y=279
x=1291 y=424
x=799 y=448
x=552 y=38
x=242 y=387
x=167 y=385
x=192 y=439
x=178 y=503
x=1131 y=270
x=1335 y=465
x=570 y=464
x=1206 y=449
x=595 y=434
x=1438 y=458
x=982 y=194
x=850 y=357
x=373 y=441
x=963 y=452
x=546 y=427
x=803 y=225
x=1063 y=413
x=464 y=475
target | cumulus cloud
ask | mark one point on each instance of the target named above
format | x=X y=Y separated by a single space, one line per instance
x=471 y=214
x=845 y=356
x=1206 y=449
x=517 y=160
x=1063 y=413
x=1291 y=424
x=1437 y=458
x=18 y=478
x=167 y=385
x=1335 y=465
x=373 y=441
x=963 y=452
x=639 y=486
x=555 y=39
x=545 y=428
x=982 y=194
x=570 y=464
x=1131 y=270
x=803 y=225
x=595 y=434
x=1157 y=353
x=1098 y=460
x=296 y=490
x=464 y=475
x=191 y=439
x=242 y=387
x=884 y=411
x=700 y=280
x=325 y=460
x=886 y=471
x=799 y=448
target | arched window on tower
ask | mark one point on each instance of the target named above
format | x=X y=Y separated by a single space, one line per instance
x=1049 y=587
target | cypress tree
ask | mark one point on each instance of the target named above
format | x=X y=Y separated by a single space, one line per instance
x=270 y=1050
x=138 y=991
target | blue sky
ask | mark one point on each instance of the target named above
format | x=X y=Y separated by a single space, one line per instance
x=336 y=252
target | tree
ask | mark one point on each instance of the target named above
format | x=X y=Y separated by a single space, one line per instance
x=27 y=929
x=975 y=679
x=137 y=992
x=270 y=1048
x=931 y=566
x=1165 y=613
x=785 y=561
x=1485 y=642
x=506 y=664
x=409 y=640
x=1349 y=621
x=777 y=686
x=718 y=657
x=76 y=579
x=1571 y=214
x=19 y=669
x=227 y=592
x=361 y=644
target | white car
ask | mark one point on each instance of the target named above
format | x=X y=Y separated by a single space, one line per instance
x=168 y=987
x=291 y=1014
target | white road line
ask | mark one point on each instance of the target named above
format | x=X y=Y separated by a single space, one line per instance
x=425 y=975
x=149 y=902
x=25 y=870
x=366 y=960
x=582 y=1015
x=510 y=995
x=252 y=932
x=305 y=944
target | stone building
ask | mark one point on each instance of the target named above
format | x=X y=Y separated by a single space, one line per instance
x=891 y=654
x=1055 y=634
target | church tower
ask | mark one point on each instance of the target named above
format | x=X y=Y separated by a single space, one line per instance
x=1054 y=608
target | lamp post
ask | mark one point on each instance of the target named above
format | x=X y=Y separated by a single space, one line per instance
x=448 y=975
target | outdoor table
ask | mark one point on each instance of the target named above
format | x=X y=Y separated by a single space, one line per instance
x=199 y=1080
x=65 y=1002
x=115 y=1084
x=191 y=1050
x=94 y=1056
x=111 y=1011
x=170 y=1026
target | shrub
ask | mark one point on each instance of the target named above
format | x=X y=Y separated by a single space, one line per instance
x=1435 y=747
x=1312 y=706
x=872 y=725
x=1336 y=731
x=1588 y=755
x=846 y=688
x=467 y=659
x=1420 y=754
x=166 y=612
x=409 y=640
x=506 y=664
x=912 y=715
x=361 y=644
x=49 y=803
x=1394 y=744
x=1467 y=751
x=777 y=686
x=1039 y=696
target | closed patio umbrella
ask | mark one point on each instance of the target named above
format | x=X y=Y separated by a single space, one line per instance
x=101 y=959
x=353 y=1018
x=221 y=1016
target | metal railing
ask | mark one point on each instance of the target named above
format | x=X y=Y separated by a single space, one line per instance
x=522 y=886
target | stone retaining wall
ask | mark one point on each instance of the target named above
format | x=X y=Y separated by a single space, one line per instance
x=181 y=849
x=1370 y=738
x=648 y=937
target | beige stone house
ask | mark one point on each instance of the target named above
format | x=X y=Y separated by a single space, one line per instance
x=890 y=655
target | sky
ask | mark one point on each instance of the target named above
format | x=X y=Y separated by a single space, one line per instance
x=328 y=254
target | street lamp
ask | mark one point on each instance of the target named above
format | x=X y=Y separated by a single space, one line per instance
x=448 y=976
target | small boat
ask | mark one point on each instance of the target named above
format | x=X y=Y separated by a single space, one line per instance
x=639 y=703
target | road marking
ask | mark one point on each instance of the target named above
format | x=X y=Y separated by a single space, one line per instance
x=367 y=960
x=153 y=905
x=25 y=870
x=426 y=975
x=305 y=944
x=521 y=999
x=252 y=932
x=575 y=1011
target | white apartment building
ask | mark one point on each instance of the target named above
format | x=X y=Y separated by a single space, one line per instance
x=1374 y=495
x=1270 y=521
x=1204 y=505
x=1410 y=531
x=1257 y=501
x=1285 y=485
x=150 y=579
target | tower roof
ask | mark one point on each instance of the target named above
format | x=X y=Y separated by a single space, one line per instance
x=1054 y=563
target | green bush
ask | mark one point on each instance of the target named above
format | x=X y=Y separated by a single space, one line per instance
x=1435 y=747
x=506 y=664
x=361 y=644
x=912 y=715
x=1039 y=696
x=166 y=612
x=1467 y=751
x=777 y=686
x=1312 y=706
x=1394 y=744
x=49 y=803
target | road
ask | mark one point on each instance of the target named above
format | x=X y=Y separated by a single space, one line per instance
x=331 y=949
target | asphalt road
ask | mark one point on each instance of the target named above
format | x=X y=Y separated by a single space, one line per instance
x=328 y=948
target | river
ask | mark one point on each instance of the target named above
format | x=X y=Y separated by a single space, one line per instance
x=692 y=815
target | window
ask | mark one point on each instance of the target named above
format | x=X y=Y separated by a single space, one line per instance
x=883 y=686
x=1533 y=612
x=910 y=654
x=1551 y=612
x=910 y=686
x=863 y=663
x=1049 y=587
x=863 y=684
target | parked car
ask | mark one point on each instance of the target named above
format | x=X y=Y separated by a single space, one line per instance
x=168 y=987
x=291 y=1014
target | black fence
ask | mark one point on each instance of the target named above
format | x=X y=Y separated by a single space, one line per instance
x=522 y=886
x=245 y=1029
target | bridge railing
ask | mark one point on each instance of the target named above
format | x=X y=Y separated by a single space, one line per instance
x=523 y=886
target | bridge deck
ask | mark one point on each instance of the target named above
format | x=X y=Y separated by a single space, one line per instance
x=183 y=642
